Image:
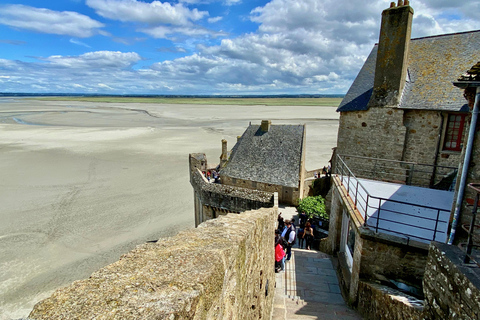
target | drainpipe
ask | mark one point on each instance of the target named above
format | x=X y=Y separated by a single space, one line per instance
x=437 y=151
x=466 y=164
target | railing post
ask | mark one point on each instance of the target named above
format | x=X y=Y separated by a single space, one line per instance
x=378 y=216
x=410 y=175
x=356 y=194
x=348 y=183
x=436 y=224
x=365 y=217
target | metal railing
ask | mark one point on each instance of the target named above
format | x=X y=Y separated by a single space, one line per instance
x=379 y=212
x=404 y=172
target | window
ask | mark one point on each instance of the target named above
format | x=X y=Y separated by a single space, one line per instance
x=454 y=132
x=347 y=240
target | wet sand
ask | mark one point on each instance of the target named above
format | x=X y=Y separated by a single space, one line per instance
x=82 y=183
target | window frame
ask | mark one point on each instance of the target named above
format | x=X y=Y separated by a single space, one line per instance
x=449 y=136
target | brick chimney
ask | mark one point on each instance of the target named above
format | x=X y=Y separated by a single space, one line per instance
x=224 y=155
x=392 y=55
x=265 y=126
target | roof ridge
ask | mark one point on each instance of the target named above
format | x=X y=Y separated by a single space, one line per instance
x=446 y=34
x=439 y=35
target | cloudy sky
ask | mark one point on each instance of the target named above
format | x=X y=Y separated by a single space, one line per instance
x=201 y=46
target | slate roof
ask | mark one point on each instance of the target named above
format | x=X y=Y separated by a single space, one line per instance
x=272 y=157
x=433 y=64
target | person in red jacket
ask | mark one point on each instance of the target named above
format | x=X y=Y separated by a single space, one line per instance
x=279 y=254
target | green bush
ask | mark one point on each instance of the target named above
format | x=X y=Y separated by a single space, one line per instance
x=313 y=207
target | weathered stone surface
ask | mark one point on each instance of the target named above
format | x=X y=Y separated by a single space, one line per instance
x=221 y=270
x=385 y=257
x=451 y=288
x=379 y=302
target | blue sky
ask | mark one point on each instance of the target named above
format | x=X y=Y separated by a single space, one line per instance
x=201 y=46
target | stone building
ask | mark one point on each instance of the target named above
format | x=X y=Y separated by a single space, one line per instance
x=268 y=158
x=400 y=149
x=265 y=167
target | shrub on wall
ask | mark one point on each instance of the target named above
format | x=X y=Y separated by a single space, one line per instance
x=313 y=207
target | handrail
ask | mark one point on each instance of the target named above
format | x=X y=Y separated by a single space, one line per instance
x=396 y=171
x=365 y=202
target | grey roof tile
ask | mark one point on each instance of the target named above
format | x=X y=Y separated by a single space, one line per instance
x=270 y=157
x=434 y=63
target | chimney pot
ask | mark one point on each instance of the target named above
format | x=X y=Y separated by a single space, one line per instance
x=406 y=3
x=400 y=3
x=392 y=4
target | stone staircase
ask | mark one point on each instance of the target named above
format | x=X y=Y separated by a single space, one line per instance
x=308 y=289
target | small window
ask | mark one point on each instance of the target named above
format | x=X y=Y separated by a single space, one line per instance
x=254 y=184
x=454 y=132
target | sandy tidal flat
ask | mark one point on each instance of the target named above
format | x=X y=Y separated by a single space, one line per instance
x=81 y=183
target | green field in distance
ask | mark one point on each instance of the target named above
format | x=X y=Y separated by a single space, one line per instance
x=331 y=102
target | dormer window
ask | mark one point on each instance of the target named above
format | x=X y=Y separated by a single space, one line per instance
x=454 y=133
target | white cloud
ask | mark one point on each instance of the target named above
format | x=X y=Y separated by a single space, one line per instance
x=302 y=46
x=167 y=32
x=94 y=60
x=49 y=21
x=80 y=43
x=215 y=19
x=232 y=2
x=152 y=13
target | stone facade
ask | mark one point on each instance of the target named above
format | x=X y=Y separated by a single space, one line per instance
x=405 y=135
x=224 y=269
x=285 y=194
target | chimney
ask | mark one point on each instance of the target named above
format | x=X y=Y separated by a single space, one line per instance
x=265 y=126
x=224 y=156
x=392 y=55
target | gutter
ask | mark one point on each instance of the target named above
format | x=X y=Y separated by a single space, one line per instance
x=466 y=165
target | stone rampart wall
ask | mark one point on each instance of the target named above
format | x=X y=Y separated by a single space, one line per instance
x=383 y=303
x=451 y=288
x=233 y=199
x=386 y=256
x=224 y=269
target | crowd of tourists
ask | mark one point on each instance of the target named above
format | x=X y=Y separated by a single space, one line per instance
x=212 y=176
x=286 y=236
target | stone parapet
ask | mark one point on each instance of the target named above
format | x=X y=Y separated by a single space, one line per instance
x=451 y=288
x=221 y=270
x=233 y=199
x=383 y=303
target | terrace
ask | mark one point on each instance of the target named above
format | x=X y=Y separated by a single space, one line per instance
x=409 y=200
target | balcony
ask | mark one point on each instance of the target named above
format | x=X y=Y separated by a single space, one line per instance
x=399 y=198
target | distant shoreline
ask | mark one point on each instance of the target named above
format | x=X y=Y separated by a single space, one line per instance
x=267 y=101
